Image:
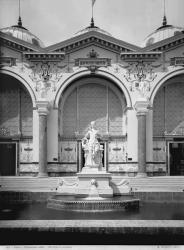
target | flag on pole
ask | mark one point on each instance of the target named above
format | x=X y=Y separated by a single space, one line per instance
x=93 y=2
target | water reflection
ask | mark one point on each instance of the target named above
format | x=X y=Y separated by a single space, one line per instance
x=39 y=211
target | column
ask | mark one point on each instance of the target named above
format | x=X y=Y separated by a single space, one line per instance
x=132 y=135
x=35 y=136
x=149 y=136
x=52 y=135
x=42 y=111
x=141 y=109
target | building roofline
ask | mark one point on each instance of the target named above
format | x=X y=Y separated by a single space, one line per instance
x=90 y=34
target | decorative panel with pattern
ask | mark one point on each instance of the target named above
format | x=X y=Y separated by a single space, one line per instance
x=26 y=151
x=92 y=102
x=15 y=107
x=70 y=114
x=174 y=105
x=92 y=107
x=159 y=151
x=9 y=110
x=68 y=151
x=158 y=114
x=117 y=151
x=26 y=113
x=168 y=107
x=115 y=114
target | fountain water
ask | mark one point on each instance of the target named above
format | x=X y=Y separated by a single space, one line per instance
x=93 y=190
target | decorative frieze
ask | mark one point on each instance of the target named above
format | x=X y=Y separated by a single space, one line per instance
x=46 y=70
x=140 y=71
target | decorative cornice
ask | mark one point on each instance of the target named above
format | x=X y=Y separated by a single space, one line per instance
x=40 y=56
x=166 y=44
x=92 y=41
x=140 y=56
x=14 y=45
x=95 y=38
x=17 y=44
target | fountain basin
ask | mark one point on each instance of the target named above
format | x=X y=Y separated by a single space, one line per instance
x=75 y=203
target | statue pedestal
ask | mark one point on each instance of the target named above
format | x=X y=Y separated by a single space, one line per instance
x=102 y=179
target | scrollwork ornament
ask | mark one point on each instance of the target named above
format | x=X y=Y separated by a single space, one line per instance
x=46 y=75
x=140 y=75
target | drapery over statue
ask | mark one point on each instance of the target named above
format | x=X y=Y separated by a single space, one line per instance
x=92 y=148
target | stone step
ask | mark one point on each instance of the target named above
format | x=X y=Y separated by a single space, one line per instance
x=28 y=183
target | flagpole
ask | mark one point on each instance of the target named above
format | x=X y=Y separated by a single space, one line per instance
x=92 y=6
x=92 y=10
x=92 y=22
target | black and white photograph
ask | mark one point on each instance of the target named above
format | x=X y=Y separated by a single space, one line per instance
x=92 y=124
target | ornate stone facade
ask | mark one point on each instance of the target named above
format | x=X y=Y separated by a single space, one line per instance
x=61 y=81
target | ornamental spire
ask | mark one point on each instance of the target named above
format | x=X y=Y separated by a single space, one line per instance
x=19 y=20
x=92 y=19
x=164 y=23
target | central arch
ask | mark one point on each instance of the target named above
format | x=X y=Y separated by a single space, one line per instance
x=91 y=98
x=99 y=73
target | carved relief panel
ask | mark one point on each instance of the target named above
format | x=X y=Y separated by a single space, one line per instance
x=68 y=152
x=159 y=151
x=26 y=151
x=117 y=151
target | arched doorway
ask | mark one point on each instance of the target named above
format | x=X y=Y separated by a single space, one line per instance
x=168 y=127
x=16 y=112
x=89 y=99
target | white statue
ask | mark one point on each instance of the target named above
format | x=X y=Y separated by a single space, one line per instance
x=91 y=146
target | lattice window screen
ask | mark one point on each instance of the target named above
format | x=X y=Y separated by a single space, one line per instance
x=91 y=102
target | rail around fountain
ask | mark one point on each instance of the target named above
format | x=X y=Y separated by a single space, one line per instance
x=73 y=203
x=93 y=201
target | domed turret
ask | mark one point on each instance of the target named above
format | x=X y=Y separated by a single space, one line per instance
x=163 y=32
x=19 y=32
